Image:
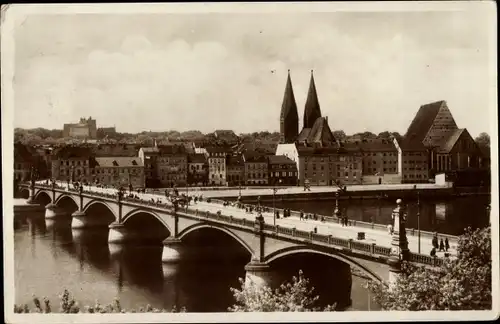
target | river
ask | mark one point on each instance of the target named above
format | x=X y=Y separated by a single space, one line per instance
x=50 y=257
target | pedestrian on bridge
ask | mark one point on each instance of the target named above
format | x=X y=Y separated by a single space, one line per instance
x=441 y=245
x=433 y=252
x=446 y=244
x=435 y=241
x=301 y=215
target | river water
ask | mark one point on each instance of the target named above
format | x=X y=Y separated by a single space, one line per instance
x=50 y=257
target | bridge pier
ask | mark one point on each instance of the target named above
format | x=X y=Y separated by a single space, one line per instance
x=117 y=233
x=52 y=211
x=257 y=274
x=172 y=250
x=79 y=220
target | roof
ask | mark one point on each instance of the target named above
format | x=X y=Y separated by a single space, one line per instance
x=150 y=149
x=280 y=159
x=254 y=156
x=423 y=120
x=71 y=152
x=380 y=145
x=197 y=158
x=407 y=144
x=217 y=149
x=312 y=110
x=289 y=105
x=118 y=161
x=321 y=133
x=448 y=143
x=172 y=149
x=303 y=135
x=234 y=160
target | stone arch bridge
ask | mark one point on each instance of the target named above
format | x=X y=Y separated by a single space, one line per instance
x=265 y=242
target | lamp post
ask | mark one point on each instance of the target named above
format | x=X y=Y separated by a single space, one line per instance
x=418 y=219
x=336 y=211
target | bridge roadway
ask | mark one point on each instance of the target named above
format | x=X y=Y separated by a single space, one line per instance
x=377 y=236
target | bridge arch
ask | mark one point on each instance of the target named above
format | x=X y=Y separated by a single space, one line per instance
x=43 y=197
x=24 y=192
x=306 y=249
x=100 y=203
x=130 y=215
x=203 y=225
x=66 y=196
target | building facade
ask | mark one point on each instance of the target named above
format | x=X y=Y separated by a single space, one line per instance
x=119 y=171
x=84 y=128
x=413 y=161
x=216 y=157
x=256 y=168
x=197 y=170
x=235 y=170
x=172 y=166
x=73 y=163
x=282 y=171
x=23 y=161
x=149 y=157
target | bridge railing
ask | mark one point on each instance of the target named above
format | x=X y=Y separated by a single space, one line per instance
x=350 y=244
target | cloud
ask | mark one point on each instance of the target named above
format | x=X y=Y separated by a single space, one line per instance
x=214 y=71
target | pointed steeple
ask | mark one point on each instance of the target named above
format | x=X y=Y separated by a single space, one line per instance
x=311 y=110
x=289 y=118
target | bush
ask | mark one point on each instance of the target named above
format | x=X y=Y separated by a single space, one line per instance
x=463 y=283
x=68 y=305
x=289 y=297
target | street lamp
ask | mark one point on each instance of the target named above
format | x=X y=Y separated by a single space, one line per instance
x=418 y=219
x=274 y=203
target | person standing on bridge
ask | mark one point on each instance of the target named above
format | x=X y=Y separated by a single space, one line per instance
x=441 y=245
x=446 y=244
x=435 y=241
x=433 y=252
x=301 y=215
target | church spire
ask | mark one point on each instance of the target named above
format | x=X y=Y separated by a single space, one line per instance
x=312 y=110
x=289 y=118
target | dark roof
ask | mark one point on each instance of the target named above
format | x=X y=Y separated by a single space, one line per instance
x=407 y=144
x=197 y=158
x=312 y=110
x=289 y=105
x=118 y=161
x=217 y=149
x=150 y=149
x=172 y=149
x=304 y=135
x=234 y=160
x=449 y=142
x=225 y=134
x=280 y=159
x=380 y=145
x=254 y=156
x=321 y=133
x=72 y=152
x=423 y=120
x=22 y=153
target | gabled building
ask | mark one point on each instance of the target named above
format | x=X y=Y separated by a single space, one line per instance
x=282 y=171
x=413 y=161
x=449 y=148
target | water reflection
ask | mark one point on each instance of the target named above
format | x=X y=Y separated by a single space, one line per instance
x=449 y=216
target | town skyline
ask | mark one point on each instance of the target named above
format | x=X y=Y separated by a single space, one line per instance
x=184 y=72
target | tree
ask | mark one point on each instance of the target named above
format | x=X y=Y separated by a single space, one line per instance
x=289 y=297
x=339 y=135
x=463 y=283
x=483 y=140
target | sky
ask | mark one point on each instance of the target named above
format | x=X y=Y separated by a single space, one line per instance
x=199 y=71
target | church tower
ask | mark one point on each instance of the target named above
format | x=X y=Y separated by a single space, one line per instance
x=312 y=110
x=289 y=118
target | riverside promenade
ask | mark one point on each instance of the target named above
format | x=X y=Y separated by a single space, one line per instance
x=367 y=190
